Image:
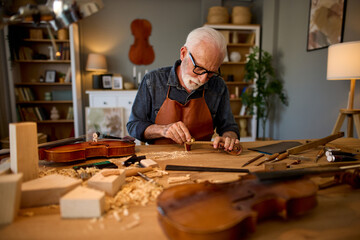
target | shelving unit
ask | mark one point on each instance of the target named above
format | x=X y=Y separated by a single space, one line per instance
x=240 y=38
x=32 y=94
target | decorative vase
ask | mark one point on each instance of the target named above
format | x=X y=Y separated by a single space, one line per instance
x=235 y=57
x=54 y=114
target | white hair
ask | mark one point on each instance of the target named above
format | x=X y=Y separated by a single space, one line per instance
x=209 y=34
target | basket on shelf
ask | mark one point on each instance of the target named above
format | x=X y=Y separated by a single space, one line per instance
x=241 y=15
x=218 y=15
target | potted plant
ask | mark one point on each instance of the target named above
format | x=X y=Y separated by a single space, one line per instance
x=268 y=87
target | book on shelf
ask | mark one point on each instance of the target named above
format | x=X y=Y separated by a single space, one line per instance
x=43 y=113
x=70 y=114
x=68 y=75
x=251 y=38
x=24 y=94
x=19 y=113
x=25 y=53
x=29 y=93
x=29 y=114
x=38 y=114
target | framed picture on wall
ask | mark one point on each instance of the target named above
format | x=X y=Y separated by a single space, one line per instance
x=326 y=23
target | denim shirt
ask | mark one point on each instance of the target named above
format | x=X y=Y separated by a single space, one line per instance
x=153 y=91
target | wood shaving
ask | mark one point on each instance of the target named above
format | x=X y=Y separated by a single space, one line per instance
x=69 y=172
x=136 y=192
x=131 y=225
x=156 y=173
x=167 y=155
x=117 y=216
x=28 y=214
x=178 y=179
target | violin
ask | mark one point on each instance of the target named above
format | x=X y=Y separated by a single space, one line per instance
x=231 y=210
x=84 y=150
x=141 y=52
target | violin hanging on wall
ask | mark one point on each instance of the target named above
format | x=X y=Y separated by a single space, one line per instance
x=141 y=52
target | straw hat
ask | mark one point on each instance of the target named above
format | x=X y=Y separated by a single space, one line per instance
x=241 y=15
x=217 y=15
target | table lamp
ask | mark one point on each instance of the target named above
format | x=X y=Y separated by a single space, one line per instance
x=96 y=63
x=344 y=64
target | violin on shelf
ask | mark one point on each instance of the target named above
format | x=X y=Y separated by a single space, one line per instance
x=231 y=210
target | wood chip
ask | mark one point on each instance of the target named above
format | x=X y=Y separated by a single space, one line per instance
x=178 y=179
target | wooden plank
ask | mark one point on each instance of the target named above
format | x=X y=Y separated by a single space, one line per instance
x=109 y=184
x=10 y=197
x=23 y=149
x=82 y=202
x=314 y=143
x=46 y=190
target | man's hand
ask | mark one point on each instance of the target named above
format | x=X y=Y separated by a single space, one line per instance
x=228 y=138
x=177 y=132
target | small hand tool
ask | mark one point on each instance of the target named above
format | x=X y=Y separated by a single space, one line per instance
x=133 y=159
x=269 y=158
x=253 y=159
x=204 y=169
x=320 y=154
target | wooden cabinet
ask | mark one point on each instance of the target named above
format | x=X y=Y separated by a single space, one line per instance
x=240 y=38
x=43 y=85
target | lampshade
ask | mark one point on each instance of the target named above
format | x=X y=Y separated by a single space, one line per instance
x=96 y=62
x=344 y=61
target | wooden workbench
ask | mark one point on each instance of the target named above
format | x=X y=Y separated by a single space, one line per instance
x=337 y=215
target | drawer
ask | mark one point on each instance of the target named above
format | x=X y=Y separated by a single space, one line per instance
x=103 y=101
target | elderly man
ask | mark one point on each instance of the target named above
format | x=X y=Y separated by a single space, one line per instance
x=187 y=100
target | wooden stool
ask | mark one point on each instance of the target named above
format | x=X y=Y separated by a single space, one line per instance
x=353 y=116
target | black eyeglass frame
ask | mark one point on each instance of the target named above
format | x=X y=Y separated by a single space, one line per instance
x=210 y=73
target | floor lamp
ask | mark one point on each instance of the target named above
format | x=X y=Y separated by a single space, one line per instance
x=344 y=64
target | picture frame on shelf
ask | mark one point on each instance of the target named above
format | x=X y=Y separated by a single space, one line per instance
x=107 y=81
x=50 y=76
x=117 y=82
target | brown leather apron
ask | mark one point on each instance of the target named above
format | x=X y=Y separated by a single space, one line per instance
x=195 y=114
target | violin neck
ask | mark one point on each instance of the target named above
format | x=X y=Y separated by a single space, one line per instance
x=61 y=142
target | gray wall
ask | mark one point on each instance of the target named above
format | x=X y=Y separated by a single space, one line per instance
x=314 y=102
x=109 y=32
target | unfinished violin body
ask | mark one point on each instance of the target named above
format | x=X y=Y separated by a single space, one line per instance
x=230 y=210
x=141 y=52
x=81 y=151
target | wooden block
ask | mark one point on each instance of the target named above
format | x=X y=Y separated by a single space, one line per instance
x=275 y=166
x=82 y=202
x=24 y=149
x=46 y=190
x=109 y=184
x=148 y=163
x=10 y=197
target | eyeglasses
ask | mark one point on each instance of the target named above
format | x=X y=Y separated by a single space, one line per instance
x=201 y=71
